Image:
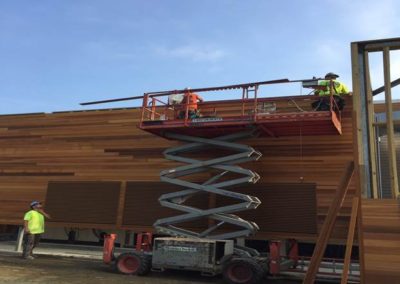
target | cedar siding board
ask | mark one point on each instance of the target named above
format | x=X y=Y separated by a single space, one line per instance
x=381 y=230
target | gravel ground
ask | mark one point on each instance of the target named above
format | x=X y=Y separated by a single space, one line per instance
x=50 y=269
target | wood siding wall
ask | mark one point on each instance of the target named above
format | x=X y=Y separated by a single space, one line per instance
x=106 y=145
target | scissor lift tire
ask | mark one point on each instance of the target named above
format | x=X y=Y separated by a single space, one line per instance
x=243 y=271
x=133 y=263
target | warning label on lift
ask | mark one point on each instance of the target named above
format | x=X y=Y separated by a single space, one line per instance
x=206 y=119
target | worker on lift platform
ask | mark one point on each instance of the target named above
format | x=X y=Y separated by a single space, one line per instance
x=190 y=100
x=324 y=91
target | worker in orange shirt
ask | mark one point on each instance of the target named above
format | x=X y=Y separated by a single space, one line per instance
x=190 y=100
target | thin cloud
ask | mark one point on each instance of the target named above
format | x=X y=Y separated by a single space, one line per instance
x=370 y=19
x=334 y=56
x=331 y=52
x=356 y=20
x=109 y=50
x=194 y=53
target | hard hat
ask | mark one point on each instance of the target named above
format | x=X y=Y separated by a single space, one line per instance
x=34 y=203
x=331 y=74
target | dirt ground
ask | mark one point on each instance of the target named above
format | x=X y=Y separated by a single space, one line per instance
x=48 y=269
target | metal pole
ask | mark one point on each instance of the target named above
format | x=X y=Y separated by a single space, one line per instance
x=362 y=129
x=20 y=238
x=389 y=125
x=371 y=132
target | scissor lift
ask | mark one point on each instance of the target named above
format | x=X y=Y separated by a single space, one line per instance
x=213 y=247
x=222 y=167
x=245 y=120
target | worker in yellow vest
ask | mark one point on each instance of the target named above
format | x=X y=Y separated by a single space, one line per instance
x=33 y=227
x=324 y=91
x=338 y=87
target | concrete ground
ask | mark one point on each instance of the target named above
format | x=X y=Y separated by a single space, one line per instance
x=50 y=269
x=57 y=263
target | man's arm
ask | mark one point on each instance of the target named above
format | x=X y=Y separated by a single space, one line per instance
x=26 y=227
x=345 y=89
x=321 y=88
x=44 y=213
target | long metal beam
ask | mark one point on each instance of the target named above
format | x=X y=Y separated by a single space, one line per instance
x=198 y=90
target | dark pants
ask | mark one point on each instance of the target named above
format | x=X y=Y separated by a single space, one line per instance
x=324 y=103
x=30 y=242
x=191 y=114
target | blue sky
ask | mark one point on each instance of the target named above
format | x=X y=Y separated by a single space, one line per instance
x=56 y=54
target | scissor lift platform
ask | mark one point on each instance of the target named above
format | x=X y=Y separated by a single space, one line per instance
x=274 y=125
x=220 y=124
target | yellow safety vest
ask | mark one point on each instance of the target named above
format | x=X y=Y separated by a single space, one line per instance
x=338 y=88
x=35 y=222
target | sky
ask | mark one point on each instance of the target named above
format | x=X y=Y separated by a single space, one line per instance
x=56 y=54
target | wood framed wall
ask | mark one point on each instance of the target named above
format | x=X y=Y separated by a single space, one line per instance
x=364 y=112
x=378 y=220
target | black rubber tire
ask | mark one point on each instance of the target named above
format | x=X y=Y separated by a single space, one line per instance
x=146 y=263
x=243 y=271
x=264 y=263
x=133 y=263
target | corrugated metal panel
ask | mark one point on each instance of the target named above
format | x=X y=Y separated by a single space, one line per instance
x=83 y=202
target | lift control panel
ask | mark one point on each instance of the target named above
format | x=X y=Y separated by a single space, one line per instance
x=190 y=254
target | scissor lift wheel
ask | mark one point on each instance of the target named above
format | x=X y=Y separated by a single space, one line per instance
x=243 y=271
x=133 y=263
